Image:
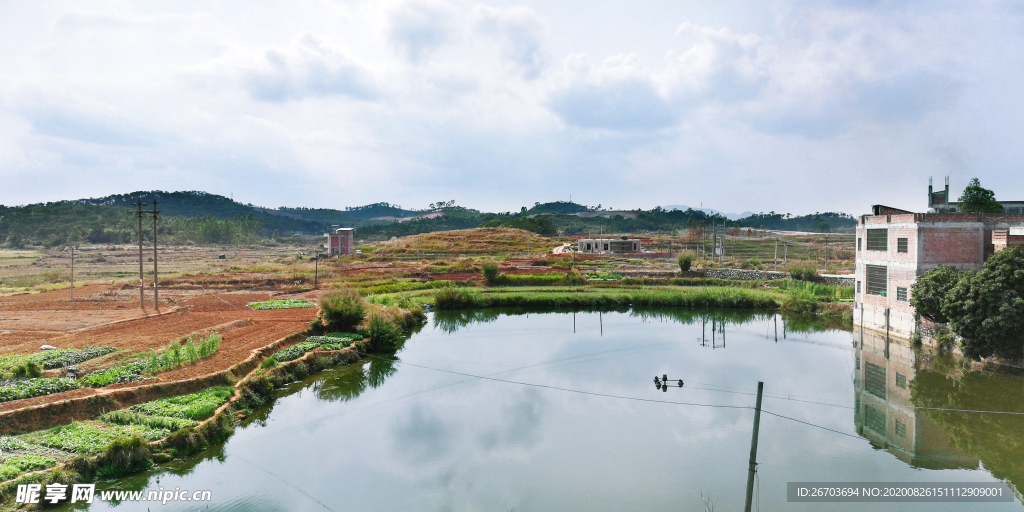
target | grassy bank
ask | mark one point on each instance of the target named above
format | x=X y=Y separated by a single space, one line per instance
x=797 y=299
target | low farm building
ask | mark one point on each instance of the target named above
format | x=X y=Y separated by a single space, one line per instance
x=608 y=245
x=895 y=246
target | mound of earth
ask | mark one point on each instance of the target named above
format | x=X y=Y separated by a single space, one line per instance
x=469 y=241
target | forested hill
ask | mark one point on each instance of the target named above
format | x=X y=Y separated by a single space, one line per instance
x=204 y=218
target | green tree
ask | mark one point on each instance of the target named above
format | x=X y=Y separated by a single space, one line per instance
x=986 y=308
x=978 y=199
x=930 y=290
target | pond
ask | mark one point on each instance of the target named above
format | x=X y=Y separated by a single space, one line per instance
x=558 y=411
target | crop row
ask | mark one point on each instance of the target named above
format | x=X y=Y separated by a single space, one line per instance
x=50 y=359
x=90 y=437
x=15 y=466
x=333 y=341
x=17 y=389
x=174 y=356
x=281 y=304
x=196 y=407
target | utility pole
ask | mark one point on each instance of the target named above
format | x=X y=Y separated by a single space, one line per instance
x=316 y=271
x=776 y=263
x=826 y=253
x=72 y=272
x=785 y=253
x=142 y=290
x=156 y=292
x=753 y=448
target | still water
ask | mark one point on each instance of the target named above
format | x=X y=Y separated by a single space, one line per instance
x=424 y=432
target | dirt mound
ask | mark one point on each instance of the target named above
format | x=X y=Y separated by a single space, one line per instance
x=469 y=241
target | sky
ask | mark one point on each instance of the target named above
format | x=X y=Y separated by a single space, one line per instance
x=788 y=106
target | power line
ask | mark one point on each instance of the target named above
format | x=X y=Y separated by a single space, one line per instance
x=545 y=386
x=811 y=424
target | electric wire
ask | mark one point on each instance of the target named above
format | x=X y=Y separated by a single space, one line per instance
x=570 y=390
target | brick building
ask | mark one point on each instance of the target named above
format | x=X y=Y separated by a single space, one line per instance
x=341 y=242
x=895 y=246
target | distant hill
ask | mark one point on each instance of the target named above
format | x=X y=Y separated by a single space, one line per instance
x=204 y=204
x=558 y=207
x=204 y=218
x=709 y=211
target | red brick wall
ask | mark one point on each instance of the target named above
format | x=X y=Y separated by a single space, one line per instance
x=943 y=245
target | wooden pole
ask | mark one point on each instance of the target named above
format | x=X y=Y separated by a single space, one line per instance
x=752 y=469
x=156 y=291
x=72 y=272
x=142 y=289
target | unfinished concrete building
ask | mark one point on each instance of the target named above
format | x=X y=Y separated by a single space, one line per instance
x=895 y=246
x=340 y=243
x=621 y=245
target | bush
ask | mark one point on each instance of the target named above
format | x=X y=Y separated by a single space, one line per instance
x=930 y=290
x=384 y=336
x=685 y=261
x=457 y=298
x=986 y=308
x=490 y=271
x=800 y=301
x=28 y=370
x=342 y=310
x=125 y=456
x=752 y=263
x=804 y=272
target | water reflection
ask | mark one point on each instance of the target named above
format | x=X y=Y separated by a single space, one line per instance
x=884 y=373
x=895 y=384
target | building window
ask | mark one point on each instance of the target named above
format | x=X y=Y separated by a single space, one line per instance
x=874 y=419
x=901 y=294
x=901 y=429
x=606 y=247
x=858 y=244
x=901 y=380
x=856 y=362
x=874 y=380
x=878 y=239
x=588 y=247
x=858 y=286
x=878 y=279
x=901 y=245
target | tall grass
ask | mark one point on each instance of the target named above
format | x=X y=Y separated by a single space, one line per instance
x=342 y=310
x=457 y=298
x=822 y=291
x=617 y=298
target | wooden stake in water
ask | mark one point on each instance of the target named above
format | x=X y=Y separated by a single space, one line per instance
x=753 y=448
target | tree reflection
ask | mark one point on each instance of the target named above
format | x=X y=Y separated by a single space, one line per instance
x=996 y=439
x=349 y=382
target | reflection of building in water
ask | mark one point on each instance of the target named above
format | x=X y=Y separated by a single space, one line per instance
x=885 y=415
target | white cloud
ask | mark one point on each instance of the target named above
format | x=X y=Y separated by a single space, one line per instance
x=521 y=31
x=392 y=99
x=619 y=94
x=310 y=67
x=419 y=27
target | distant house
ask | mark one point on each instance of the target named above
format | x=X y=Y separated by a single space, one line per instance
x=621 y=245
x=895 y=246
x=341 y=242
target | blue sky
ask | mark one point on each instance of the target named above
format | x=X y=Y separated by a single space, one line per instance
x=791 y=106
